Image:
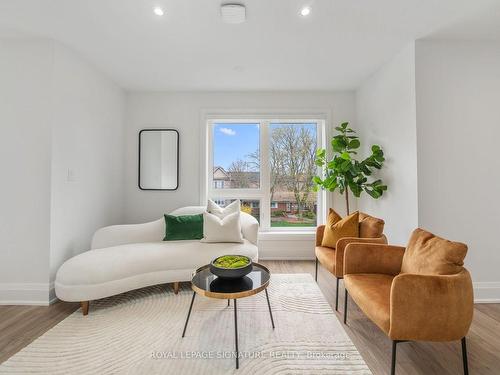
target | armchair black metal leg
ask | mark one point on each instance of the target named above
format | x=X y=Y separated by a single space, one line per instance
x=393 y=361
x=464 y=357
x=316 y=273
x=337 y=296
x=228 y=302
x=189 y=313
x=236 y=335
x=345 y=306
x=269 y=305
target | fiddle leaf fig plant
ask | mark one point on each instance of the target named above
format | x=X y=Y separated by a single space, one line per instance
x=344 y=171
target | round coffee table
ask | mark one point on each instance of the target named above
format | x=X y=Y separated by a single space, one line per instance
x=207 y=284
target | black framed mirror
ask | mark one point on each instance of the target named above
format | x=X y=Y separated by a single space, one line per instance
x=158 y=159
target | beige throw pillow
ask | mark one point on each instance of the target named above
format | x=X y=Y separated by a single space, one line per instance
x=227 y=229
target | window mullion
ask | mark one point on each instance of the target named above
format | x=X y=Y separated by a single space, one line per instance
x=210 y=160
x=265 y=176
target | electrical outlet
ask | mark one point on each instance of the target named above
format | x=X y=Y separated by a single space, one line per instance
x=70 y=177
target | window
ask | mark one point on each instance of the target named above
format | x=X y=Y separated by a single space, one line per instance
x=269 y=165
x=218 y=184
x=236 y=156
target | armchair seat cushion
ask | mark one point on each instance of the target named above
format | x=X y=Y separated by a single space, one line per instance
x=372 y=294
x=326 y=256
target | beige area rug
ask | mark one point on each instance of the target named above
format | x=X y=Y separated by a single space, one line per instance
x=140 y=333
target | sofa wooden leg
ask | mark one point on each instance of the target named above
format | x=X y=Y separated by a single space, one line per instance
x=176 y=287
x=85 y=307
x=464 y=357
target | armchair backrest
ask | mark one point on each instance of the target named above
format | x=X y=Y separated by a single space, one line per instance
x=370 y=226
x=428 y=254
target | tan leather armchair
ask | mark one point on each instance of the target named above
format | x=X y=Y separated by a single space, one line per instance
x=421 y=293
x=332 y=259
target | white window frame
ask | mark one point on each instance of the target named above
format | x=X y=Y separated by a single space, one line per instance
x=261 y=193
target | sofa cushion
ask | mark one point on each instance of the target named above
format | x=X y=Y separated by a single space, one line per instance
x=120 y=262
x=184 y=227
x=372 y=294
x=227 y=229
x=221 y=212
x=326 y=256
x=370 y=227
x=335 y=230
x=429 y=254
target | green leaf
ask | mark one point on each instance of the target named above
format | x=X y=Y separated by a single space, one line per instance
x=338 y=144
x=317 y=180
x=346 y=165
x=344 y=125
x=345 y=156
x=320 y=152
x=354 y=143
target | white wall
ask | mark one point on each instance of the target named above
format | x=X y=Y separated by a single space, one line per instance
x=87 y=141
x=183 y=111
x=458 y=118
x=56 y=113
x=385 y=107
x=25 y=86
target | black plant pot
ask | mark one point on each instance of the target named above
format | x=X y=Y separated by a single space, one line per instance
x=231 y=273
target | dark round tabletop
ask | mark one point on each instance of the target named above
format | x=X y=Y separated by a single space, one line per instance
x=206 y=283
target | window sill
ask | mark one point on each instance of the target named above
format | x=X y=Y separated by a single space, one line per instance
x=305 y=235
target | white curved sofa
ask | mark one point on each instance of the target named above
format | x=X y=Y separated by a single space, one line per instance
x=127 y=257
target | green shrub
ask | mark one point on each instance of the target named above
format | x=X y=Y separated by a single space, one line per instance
x=277 y=213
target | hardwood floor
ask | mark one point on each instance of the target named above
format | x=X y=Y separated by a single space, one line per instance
x=20 y=325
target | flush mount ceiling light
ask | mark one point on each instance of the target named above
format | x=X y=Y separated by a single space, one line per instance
x=305 y=11
x=158 y=11
x=233 y=13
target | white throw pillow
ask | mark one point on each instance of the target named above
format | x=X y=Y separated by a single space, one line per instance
x=227 y=229
x=215 y=209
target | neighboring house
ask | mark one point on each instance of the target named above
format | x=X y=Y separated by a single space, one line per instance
x=283 y=201
x=221 y=179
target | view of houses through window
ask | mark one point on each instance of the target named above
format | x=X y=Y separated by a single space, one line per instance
x=284 y=184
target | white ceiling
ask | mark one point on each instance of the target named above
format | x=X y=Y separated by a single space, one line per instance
x=190 y=48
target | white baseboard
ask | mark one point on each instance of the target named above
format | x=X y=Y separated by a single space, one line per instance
x=486 y=292
x=52 y=293
x=43 y=294
x=25 y=294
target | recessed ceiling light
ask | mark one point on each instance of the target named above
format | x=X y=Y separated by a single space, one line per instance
x=305 y=11
x=158 y=11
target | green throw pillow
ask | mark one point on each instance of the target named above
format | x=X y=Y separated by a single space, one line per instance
x=185 y=227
